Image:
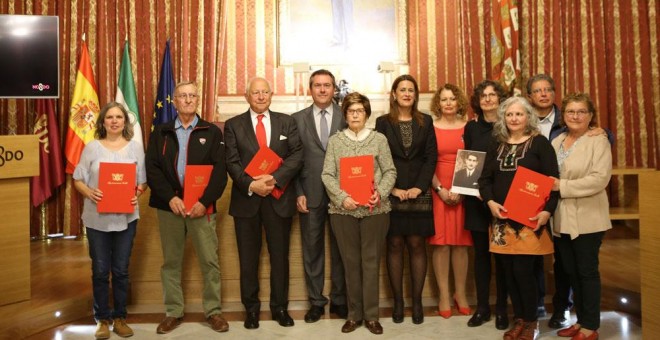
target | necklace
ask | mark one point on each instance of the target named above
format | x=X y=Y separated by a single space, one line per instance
x=510 y=156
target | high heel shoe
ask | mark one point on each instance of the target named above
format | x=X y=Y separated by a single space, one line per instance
x=445 y=313
x=417 y=313
x=462 y=310
x=397 y=312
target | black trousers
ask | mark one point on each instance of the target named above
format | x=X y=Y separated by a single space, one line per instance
x=521 y=284
x=561 y=300
x=248 y=239
x=482 y=274
x=580 y=260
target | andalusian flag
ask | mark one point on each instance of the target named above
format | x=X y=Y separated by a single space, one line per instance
x=505 y=45
x=84 y=111
x=127 y=95
x=164 y=110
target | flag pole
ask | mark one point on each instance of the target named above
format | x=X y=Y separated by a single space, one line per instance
x=43 y=232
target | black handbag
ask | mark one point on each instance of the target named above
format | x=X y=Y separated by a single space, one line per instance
x=423 y=203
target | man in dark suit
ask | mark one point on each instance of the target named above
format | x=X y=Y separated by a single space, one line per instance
x=468 y=176
x=252 y=204
x=316 y=124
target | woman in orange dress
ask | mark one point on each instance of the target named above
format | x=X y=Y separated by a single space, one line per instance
x=451 y=240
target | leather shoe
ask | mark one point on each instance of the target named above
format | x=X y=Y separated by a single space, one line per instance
x=501 y=321
x=557 y=321
x=530 y=331
x=218 y=323
x=282 y=317
x=514 y=332
x=339 y=310
x=168 y=324
x=102 y=329
x=251 y=320
x=478 y=319
x=350 y=325
x=568 y=332
x=374 y=327
x=120 y=327
x=314 y=314
x=582 y=336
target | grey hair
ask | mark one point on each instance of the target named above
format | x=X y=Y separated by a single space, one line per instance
x=184 y=83
x=500 y=130
x=249 y=85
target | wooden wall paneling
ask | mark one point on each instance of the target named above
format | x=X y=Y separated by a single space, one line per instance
x=649 y=244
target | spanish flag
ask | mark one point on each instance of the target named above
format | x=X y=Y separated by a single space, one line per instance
x=83 y=113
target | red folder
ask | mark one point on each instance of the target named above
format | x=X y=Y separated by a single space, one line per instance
x=117 y=182
x=527 y=195
x=356 y=177
x=265 y=162
x=194 y=183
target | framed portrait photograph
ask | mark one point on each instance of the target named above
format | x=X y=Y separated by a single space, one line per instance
x=469 y=165
x=340 y=32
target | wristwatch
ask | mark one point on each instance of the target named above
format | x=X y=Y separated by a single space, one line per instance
x=438 y=189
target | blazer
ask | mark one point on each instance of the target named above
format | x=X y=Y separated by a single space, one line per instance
x=308 y=182
x=241 y=146
x=583 y=207
x=462 y=179
x=416 y=169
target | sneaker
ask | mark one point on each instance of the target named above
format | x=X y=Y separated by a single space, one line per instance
x=541 y=312
x=121 y=328
x=102 y=329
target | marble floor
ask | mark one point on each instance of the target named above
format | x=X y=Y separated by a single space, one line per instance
x=613 y=326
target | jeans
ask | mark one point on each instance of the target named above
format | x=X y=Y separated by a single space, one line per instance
x=110 y=252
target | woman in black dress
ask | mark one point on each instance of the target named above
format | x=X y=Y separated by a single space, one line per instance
x=485 y=100
x=412 y=143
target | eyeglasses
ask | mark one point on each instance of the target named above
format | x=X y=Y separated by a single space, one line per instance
x=578 y=113
x=543 y=90
x=359 y=111
x=187 y=95
x=488 y=95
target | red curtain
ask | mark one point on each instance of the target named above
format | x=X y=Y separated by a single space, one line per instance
x=196 y=32
x=608 y=48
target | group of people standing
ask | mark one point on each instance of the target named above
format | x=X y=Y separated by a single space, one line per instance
x=410 y=204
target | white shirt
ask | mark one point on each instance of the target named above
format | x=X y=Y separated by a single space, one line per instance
x=265 y=120
x=317 y=118
x=545 y=124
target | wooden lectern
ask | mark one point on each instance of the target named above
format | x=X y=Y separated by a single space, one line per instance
x=19 y=160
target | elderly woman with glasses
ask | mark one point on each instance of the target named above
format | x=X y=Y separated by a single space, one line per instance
x=582 y=216
x=360 y=226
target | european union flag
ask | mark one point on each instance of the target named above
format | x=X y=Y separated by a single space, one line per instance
x=164 y=110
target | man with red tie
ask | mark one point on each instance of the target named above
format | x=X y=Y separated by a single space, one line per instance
x=252 y=203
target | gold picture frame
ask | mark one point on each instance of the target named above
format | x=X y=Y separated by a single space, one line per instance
x=341 y=32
